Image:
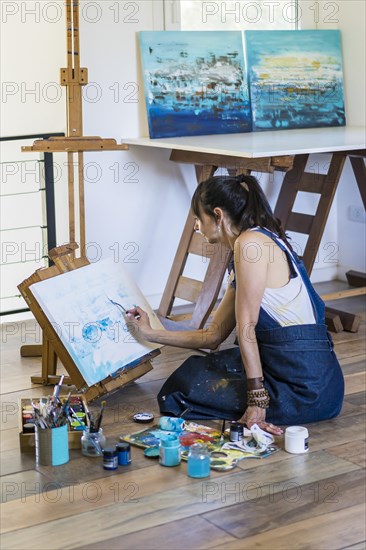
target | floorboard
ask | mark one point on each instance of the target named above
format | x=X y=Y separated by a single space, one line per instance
x=287 y=502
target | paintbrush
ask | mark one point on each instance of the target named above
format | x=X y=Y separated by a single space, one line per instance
x=100 y=416
x=89 y=417
x=118 y=305
x=222 y=432
x=74 y=415
x=57 y=389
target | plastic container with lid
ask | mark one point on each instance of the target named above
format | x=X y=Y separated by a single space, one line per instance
x=110 y=458
x=169 y=451
x=124 y=453
x=236 y=431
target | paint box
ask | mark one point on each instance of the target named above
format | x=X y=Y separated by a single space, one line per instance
x=27 y=435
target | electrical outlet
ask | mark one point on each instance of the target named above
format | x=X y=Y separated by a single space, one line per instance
x=357 y=214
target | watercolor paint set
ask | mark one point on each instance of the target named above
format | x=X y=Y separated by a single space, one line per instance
x=76 y=422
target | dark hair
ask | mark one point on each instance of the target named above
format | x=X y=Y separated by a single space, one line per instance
x=241 y=197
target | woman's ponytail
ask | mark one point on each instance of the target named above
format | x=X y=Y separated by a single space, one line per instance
x=242 y=198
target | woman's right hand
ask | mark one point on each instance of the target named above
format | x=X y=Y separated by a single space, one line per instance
x=257 y=415
x=140 y=321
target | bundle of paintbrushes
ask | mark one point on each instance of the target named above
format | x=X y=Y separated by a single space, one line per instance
x=95 y=418
x=50 y=412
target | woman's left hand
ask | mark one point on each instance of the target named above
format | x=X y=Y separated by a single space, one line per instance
x=257 y=415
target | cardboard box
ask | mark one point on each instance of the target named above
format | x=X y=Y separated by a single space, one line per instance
x=27 y=440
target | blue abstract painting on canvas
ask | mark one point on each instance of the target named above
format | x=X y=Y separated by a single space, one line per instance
x=86 y=308
x=195 y=83
x=295 y=78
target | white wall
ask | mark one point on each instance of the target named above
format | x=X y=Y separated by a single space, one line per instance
x=350 y=16
x=137 y=209
x=137 y=201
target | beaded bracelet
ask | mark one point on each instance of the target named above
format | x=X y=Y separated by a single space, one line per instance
x=258 y=398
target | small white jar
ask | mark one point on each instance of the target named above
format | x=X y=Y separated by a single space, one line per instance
x=296 y=440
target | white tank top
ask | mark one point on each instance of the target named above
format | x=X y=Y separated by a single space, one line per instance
x=290 y=304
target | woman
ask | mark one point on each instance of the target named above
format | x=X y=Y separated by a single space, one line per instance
x=291 y=374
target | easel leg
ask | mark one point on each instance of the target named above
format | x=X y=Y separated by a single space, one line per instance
x=49 y=363
x=215 y=271
x=359 y=170
x=31 y=350
x=49 y=366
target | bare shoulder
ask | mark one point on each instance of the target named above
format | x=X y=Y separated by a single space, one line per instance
x=247 y=237
x=253 y=246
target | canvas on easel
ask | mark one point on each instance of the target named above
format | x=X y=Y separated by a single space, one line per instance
x=85 y=307
x=81 y=310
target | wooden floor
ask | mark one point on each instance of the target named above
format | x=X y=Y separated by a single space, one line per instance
x=314 y=501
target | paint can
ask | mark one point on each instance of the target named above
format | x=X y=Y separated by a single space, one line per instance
x=124 y=453
x=110 y=458
x=236 y=432
x=296 y=440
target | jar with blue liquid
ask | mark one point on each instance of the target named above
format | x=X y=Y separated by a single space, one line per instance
x=198 y=461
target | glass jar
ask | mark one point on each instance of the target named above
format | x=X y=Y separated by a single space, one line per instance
x=92 y=443
x=198 y=460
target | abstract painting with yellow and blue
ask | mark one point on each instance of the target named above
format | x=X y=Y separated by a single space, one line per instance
x=295 y=79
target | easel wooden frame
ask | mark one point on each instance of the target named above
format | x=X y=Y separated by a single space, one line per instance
x=73 y=77
x=64 y=261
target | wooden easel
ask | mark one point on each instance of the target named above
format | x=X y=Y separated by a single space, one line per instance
x=73 y=77
x=64 y=261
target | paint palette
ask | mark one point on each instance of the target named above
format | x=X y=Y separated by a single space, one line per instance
x=221 y=459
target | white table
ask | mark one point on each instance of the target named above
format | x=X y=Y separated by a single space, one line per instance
x=265 y=144
x=286 y=150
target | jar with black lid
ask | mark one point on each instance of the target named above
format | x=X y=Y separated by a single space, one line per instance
x=236 y=431
x=110 y=458
x=124 y=453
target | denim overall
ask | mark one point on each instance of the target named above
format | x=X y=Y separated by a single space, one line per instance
x=301 y=371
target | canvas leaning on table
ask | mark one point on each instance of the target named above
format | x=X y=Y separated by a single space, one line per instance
x=195 y=82
x=86 y=309
x=222 y=82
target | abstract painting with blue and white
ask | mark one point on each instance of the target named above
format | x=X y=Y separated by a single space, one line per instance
x=86 y=308
x=295 y=78
x=195 y=83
